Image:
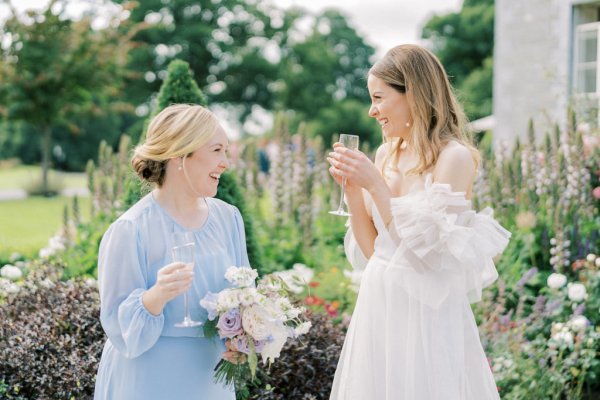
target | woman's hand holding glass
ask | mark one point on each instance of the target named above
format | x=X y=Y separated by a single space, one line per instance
x=174 y=279
x=171 y=281
x=353 y=165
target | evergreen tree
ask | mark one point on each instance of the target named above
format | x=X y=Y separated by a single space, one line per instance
x=179 y=87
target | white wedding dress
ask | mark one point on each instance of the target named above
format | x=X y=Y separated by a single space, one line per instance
x=413 y=335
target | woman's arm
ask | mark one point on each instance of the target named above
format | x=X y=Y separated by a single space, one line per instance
x=361 y=173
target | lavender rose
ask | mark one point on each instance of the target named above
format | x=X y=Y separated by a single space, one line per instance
x=240 y=343
x=230 y=324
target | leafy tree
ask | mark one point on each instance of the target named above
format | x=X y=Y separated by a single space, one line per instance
x=222 y=42
x=247 y=53
x=53 y=68
x=348 y=116
x=329 y=65
x=464 y=42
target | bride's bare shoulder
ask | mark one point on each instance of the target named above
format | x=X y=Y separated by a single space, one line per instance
x=456 y=166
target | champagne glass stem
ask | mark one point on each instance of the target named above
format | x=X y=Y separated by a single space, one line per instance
x=340 y=208
x=186 y=306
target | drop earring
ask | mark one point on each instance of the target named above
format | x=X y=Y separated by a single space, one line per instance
x=180 y=167
x=407 y=124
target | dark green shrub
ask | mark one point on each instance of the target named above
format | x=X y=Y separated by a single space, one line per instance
x=306 y=367
x=50 y=342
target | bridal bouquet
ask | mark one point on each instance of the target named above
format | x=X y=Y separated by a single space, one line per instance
x=254 y=320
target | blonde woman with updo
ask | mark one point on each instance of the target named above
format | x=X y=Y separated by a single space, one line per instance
x=146 y=356
x=425 y=252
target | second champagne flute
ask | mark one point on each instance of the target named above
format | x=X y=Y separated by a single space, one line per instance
x=350 y=142
x=183 y=251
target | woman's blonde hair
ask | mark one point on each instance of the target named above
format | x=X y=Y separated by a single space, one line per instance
x=437 y=117
x=176 y=131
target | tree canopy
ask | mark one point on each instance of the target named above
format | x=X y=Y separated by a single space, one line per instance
x=464 y=43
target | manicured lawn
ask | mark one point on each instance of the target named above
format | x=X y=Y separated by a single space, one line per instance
x=26 y=225
x=17 y=177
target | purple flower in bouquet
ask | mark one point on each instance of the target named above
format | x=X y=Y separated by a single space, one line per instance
x=241 y=344
x=230 y=324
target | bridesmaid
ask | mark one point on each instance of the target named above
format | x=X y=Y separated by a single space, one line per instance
x=146 y=356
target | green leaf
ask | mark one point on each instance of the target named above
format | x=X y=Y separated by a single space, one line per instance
x=210 y=329
x=252 y=358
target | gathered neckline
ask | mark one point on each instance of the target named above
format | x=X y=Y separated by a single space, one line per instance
x=427 y=185
x=177 y=224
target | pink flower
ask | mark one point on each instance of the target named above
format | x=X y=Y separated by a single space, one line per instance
x=596 y=192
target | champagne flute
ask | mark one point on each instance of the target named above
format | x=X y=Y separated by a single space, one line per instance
x=183 y=250
x=350 y=142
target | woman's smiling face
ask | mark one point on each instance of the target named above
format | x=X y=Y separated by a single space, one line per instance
x=205 y=165
x=390 y=108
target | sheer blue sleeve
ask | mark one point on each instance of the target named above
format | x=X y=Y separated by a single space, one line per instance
x=122 y=281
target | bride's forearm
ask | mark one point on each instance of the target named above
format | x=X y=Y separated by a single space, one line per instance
x=381 y=195
x=361 y=223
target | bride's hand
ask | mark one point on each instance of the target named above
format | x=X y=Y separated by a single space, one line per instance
x=353 y=165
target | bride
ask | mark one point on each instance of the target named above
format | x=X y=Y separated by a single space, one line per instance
x=413 y=335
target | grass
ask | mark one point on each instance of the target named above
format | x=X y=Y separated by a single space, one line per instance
x=26 y=225
x=20 y=176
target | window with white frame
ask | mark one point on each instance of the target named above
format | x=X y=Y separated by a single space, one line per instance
x=586 y=71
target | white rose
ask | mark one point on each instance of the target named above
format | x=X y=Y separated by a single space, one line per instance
x=591 y=257
x=248 y=296
x=256 y=322
x=11 y=272
x=578 y=323
x=576 y=292
x=556 y=280
x=227 y=300
x=241 y=276
x=598 y=262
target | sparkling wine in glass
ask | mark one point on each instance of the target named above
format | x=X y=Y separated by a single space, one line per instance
x=183 y=250
x=350 y=142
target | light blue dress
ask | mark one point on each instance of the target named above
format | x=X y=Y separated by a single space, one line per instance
x=146 y=357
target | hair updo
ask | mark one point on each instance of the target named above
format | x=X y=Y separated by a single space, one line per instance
x=176 y=131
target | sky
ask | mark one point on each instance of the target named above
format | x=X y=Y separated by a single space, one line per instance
x=383 y=23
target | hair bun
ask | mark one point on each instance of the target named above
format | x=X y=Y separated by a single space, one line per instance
x=149 y=170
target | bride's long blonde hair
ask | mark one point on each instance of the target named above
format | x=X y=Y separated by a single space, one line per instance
x=437 y=116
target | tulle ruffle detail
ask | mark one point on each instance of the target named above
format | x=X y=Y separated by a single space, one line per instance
x=445 y=247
